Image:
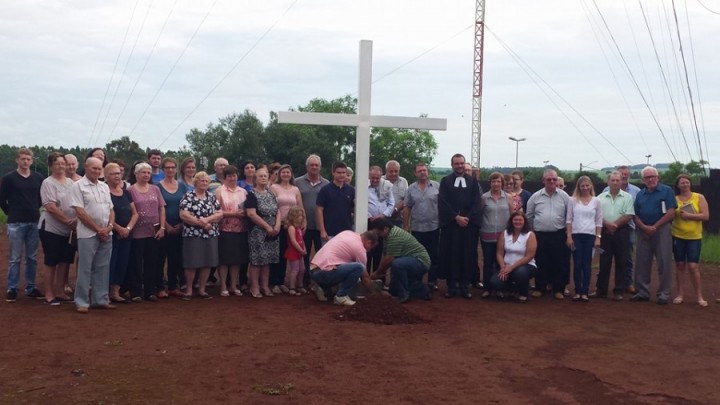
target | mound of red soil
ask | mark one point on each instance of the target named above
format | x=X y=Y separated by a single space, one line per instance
x=379 y=309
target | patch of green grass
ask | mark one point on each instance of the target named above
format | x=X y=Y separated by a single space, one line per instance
x=3 y=218
x=710 y=248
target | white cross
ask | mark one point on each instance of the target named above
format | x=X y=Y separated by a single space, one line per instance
x=363 y=120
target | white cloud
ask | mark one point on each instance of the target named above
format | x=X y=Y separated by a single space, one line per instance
x=58 y=57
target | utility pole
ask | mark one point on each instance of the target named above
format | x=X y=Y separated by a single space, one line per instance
x=477 y=82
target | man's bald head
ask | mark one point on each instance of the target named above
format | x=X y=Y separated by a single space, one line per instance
x=93 y=168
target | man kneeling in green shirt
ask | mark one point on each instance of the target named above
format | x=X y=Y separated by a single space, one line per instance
x=407 y=260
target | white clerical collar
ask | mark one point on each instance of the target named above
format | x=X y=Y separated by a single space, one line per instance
x=460 y=182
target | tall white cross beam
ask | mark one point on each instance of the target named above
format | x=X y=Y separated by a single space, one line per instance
x=363 y=120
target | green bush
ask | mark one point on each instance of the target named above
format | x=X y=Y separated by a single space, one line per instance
x=710 y=248
x=3 y=218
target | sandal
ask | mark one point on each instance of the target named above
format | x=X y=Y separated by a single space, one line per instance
x=205 y=296
x=292 y=291
x=485 y=294
x=302 y=291
x=162 y=294
x=702 y=303
x=576 y=297
x=186 y=297
x=255 y=294
x=522 y=299
x=237 y=293
x=268 y=293
x=584 y=298
x=678 y=300
x=224 y=293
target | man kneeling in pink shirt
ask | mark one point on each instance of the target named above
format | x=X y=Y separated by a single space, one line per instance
x=343 y=260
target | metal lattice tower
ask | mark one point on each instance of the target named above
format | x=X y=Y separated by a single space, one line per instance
x=477 y=81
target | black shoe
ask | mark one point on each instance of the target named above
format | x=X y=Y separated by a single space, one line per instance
x=35 y=293
x=433 y=286
x=53 y=302
x=466 y=294
x=639 y=298
x=151 y=298
x=404 y=299
x=662 y=301
x=11 y=296
x=451 y=294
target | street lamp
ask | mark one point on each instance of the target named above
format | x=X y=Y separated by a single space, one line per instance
x=517 y=145
x=648 y=159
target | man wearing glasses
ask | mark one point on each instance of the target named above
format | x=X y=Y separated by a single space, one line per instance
x=546 y=213
x=654 y=211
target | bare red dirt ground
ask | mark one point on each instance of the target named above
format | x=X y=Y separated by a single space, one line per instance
x=294 y=350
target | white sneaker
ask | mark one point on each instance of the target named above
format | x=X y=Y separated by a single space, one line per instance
x=344 y=301
x=320 y=294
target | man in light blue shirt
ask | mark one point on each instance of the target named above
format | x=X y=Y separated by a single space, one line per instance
x=381 y=204
x=546 y=213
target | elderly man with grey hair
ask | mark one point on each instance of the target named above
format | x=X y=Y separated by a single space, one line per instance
x=618 y=211
x=654 y=211
x=546 y=212
x=309 y=185
x=399 y=190
x=90 y=198
x=216 y=179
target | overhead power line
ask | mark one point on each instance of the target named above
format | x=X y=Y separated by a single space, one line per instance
x=687 y=81
x=423 y=53
x=142 y=71
x=708 y=8
x=127 y=63
x=232 y=69
x=607 y=27
x=167 y=76
x=664 y=77
x=527 y=69
x=112 y=76
x=697 y=84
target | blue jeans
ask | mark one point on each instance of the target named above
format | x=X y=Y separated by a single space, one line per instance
x=347 y=275
x=582 y=258
x=22 y=235
x=407 y=274
x=518 y=280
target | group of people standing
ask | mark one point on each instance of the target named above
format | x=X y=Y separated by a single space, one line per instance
x=166 y=230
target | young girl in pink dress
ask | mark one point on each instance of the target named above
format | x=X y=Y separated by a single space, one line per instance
x=296 y=249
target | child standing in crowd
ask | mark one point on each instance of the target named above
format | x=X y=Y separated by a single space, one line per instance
x=296 y=249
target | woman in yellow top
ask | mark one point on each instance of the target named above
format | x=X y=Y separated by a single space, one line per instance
x=692 y=210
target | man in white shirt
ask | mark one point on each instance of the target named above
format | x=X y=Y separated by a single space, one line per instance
x=91 y=200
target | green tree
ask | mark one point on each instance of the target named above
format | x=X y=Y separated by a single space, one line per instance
x=236 y=137
x=126 y=150
x=694 y=169
x=407 y=146
x=293 y=143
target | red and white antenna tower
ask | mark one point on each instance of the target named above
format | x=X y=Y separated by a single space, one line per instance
x=477 y=81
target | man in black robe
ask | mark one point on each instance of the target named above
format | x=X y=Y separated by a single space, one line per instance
x=459 y=212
